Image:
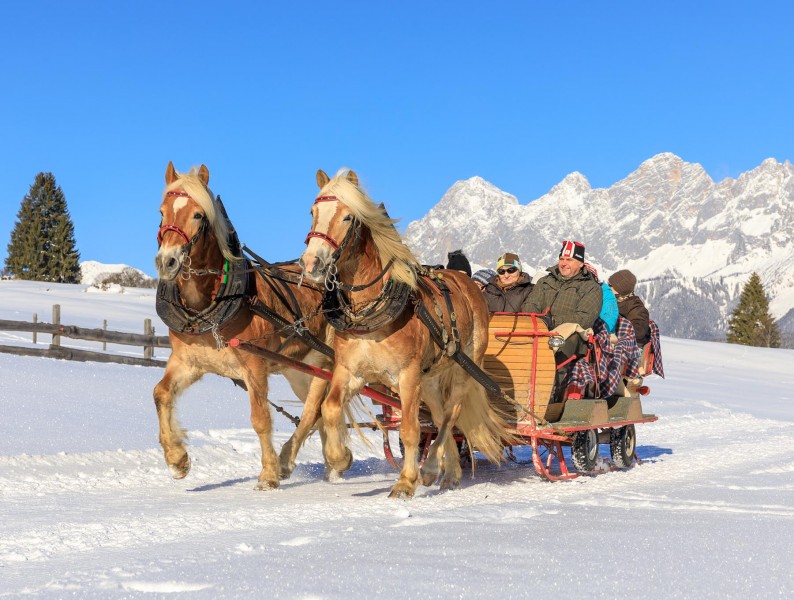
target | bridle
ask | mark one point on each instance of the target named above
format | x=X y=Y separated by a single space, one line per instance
x=353 y=233
x=178 y=230
x=327 y=238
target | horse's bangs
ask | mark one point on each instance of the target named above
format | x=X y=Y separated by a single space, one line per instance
x=385 y=235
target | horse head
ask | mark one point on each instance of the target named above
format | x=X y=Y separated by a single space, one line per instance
x=333 y=225
x=351 y=234
x=192 y=233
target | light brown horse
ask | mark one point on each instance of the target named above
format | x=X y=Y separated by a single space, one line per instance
x=355 y=249
x=206 y=296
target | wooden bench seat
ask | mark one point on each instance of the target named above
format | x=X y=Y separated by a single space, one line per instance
x=518 y=348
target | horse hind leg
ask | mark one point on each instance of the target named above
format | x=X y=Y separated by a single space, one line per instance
x=309 y=417
x=334 y=473
x=432 y=465
x=177 y=379
x=452 y=470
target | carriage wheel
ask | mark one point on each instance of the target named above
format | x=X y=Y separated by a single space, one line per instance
x=584 y=450
x=622 y=443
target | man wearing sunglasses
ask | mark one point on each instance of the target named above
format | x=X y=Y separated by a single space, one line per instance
x=572 y=297
x=508 y=290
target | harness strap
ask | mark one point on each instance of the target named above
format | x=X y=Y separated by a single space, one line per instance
x=264 y=311
x=363 y=286
x=459 y=357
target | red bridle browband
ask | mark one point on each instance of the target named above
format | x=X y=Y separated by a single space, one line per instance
x=317 y=234
x=175 y=228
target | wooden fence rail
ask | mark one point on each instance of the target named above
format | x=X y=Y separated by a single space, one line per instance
x=147 y=340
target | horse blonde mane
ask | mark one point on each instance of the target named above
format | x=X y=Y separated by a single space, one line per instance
x=203 y=196
x=387 y=240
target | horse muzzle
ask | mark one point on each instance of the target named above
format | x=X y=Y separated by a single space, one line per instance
x=314 y=265
x=169 y=263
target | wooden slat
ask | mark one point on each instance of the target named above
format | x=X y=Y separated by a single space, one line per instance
x=509 y=361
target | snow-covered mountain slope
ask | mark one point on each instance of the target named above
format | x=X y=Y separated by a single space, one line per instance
x=691 y=242
x=88 y=508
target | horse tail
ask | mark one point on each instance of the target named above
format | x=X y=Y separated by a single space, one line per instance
x=485 y=429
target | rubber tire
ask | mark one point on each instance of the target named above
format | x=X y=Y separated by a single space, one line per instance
x=584 y=450
x=622 y=444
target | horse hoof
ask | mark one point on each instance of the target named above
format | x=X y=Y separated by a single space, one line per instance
x=428 y=478
x=285 y=473
x=449 y=484
x=344 y=464
x=180 y=469
x=401 y=492
x=332 y=475
x=266 y=486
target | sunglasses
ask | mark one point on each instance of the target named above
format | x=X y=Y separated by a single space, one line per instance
x=510 y=270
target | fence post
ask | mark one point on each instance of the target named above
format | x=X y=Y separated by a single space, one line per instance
x=147 y=330
x=104 y=328
x=56 y=320
x=35 y=320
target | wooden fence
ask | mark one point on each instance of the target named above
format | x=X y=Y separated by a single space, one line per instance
x=148 y=341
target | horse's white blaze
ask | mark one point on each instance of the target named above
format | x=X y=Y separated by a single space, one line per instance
x=179 y=204
x=317 y=247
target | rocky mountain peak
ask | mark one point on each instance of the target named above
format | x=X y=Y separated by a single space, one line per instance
x=687 y=239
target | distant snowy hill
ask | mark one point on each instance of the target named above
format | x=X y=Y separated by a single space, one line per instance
x=95 y=273
x=691 y=242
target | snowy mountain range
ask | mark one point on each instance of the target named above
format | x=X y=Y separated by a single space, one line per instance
x=692 y=243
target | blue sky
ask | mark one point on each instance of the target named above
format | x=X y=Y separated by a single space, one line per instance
x=412 y=95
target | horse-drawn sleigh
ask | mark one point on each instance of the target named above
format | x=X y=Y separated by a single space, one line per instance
x=360 y=315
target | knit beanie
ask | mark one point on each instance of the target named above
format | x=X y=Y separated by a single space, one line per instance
x=483 y=276
x=457 y=260
x=508 y=259
x=572 y=250
x=623 y=282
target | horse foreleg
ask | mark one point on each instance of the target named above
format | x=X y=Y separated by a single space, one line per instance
x=410 y=390
x=343 y=385
x=177 y=379
x=262 y=423
x=309 y=416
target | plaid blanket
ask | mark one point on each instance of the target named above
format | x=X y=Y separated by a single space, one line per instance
x=656 y=347
x=612 y=361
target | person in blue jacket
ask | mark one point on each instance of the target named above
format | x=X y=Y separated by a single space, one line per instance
x=609 y=304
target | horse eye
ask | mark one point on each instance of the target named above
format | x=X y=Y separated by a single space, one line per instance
x=198 y=216
x=347 y=218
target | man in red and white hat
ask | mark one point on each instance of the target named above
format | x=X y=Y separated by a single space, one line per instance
x=571 y=296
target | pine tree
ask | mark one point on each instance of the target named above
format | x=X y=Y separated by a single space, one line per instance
x=42 y=246
x=750 y=323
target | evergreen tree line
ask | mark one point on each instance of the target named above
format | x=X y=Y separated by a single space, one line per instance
x=42 y=246
x=751 y=324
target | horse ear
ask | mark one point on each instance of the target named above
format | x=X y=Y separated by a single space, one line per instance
x=170 y=173
x=204 y=175
x=322 y=178
x=352 y=178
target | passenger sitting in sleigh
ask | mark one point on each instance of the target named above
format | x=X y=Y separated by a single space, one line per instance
x=572 y=298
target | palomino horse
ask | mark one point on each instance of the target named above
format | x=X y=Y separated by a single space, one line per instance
x=207 y=296
x=372 y=298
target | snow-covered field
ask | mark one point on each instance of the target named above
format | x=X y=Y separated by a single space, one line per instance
x=87 y=507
